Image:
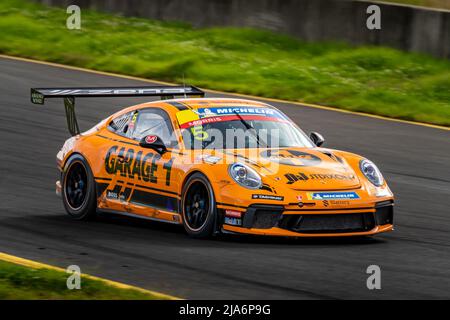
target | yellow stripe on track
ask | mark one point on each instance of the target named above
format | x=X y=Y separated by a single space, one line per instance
x=38 y=265
x=309 y=105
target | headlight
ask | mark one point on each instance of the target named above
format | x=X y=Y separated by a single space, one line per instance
x=370 y=170
x=245 y=176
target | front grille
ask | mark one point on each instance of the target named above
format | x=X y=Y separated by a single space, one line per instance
x=265 y=219
x=328 y=223
x=269 y=216
x=262 y=216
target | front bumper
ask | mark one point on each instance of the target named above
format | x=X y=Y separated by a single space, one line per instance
x=277 y=220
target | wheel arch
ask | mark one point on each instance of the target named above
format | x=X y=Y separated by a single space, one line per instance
x=66 y=161
x=208 y=178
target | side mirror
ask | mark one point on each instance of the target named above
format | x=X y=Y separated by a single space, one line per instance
x=153 y=142
x=317 y=138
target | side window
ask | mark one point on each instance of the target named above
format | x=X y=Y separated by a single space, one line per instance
x=124 y=124
x=154 y=122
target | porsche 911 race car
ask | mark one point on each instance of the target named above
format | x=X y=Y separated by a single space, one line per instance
x=215 y=166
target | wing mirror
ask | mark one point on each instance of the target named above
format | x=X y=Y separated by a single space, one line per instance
x=153 y=142
x=317 y=138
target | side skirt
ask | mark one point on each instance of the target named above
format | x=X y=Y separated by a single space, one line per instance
x=133 y=215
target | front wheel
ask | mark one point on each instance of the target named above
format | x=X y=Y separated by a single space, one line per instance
x=78 y=189
x=198 y=207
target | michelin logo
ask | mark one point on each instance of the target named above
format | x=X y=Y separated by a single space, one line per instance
x=332 y=195
x=207 y=112
x=263 y=111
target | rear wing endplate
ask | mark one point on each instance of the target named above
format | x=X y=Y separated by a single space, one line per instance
x=38 y=96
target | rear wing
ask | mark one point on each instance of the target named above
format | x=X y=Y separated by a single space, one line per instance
x=38 y=96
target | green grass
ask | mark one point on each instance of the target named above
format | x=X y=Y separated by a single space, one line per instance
x=376 y=80
x=22 y=283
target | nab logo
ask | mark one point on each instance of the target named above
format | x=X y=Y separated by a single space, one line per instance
x=292 y=178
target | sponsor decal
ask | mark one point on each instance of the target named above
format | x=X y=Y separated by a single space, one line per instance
x=292 y=178
x=151 y=139
x=115 y=196
x=112 y=195
x=204 y=113
x=37 y=98
x=239 y=110
x=233 y=221
x=201 y=116
x=339 y=203
x=291 y=158
x=137 y=165
x=336 y=203
x=267 y=197
x=332 y=195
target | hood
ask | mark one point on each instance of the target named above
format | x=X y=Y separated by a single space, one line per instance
x=302 y=168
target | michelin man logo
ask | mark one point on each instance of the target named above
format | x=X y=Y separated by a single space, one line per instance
x=205 y=113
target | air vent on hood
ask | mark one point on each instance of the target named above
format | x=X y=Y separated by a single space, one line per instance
x=332 y=156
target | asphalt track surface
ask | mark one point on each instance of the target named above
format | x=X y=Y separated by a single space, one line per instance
x=414 y=259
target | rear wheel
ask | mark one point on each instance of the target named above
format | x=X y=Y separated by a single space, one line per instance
x=199 y=207
x=78 y=189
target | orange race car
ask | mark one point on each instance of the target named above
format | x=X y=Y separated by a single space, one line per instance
x=215 y=166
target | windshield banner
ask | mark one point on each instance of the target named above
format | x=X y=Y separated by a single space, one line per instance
x=201 y=116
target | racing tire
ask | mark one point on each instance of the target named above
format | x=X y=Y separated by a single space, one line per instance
x=78 y=189
x=198 y=207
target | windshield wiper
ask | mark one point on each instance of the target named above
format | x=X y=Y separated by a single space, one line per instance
x=252 y=130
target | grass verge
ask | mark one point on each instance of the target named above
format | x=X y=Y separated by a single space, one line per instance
x=23 y=283
x=375 y=80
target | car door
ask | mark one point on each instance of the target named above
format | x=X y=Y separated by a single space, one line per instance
x=118 y=159
x=155 y=190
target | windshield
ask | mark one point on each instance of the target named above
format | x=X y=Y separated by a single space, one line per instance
x=235 y=128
